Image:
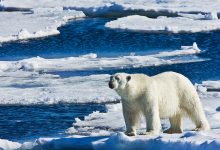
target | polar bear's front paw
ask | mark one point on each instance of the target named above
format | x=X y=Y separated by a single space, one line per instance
x=130 y=133
x=171 y=131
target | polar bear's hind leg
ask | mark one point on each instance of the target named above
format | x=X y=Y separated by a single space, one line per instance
x=197 y=115
x=175 y=124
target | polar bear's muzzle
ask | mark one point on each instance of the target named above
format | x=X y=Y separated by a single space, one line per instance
x=111 y=85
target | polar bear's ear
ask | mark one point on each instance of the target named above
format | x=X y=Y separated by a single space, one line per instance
x=128 y=78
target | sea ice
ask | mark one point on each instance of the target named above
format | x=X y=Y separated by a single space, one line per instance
x=26 y=88
x=163 y=24
x=8 y=145
x=39 y=22
x=93 y=62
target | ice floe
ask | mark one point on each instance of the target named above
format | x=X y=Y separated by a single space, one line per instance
x=26 y=88
x=9 y=145
x=185 y=50
x=163 y=24
x=37 y=23
x=93 y=62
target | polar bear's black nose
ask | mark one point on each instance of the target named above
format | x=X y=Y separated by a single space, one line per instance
x=111 y=86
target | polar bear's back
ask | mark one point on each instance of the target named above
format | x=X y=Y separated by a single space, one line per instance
x=174 y=80
x=176 y=91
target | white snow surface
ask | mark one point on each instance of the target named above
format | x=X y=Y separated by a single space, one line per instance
x=91 y=61
x=26 y=88
x=163 y=24
x=38 y=23
x=8 y=145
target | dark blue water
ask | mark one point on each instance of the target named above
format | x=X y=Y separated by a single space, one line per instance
x=31 y=122
x=89 y=36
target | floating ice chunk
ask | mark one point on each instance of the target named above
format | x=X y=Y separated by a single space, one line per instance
x=185 y=50
x=193 y=47
x=9 y=145
x=41 y=22
x=91 y=61
x=163 y=24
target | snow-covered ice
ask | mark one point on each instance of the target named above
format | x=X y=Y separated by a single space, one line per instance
x=163 y=24
x=8 y=145
x=39 y=22
x=91 y=61
x=185 y=50
x=25 y=88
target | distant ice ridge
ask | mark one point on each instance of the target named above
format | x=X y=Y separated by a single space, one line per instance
x=39 y=22
x=91 y=61
x=112 y=7
x=165 y=24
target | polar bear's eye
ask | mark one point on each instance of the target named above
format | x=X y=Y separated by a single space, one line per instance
x=117 y=78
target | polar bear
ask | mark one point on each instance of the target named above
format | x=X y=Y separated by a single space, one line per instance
x=166 y=95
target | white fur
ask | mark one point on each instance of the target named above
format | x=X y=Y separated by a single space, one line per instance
x=166 y=95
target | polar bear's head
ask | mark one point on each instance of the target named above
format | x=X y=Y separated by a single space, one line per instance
x=119 y=81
